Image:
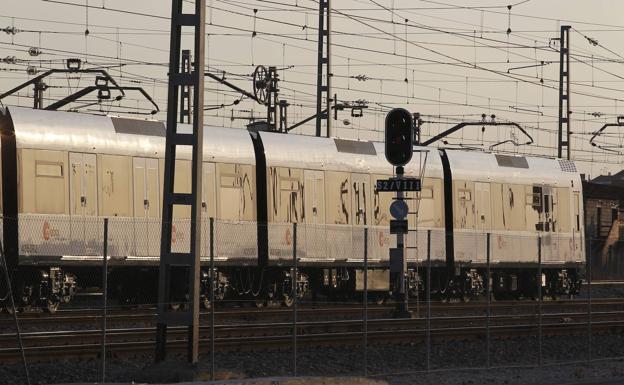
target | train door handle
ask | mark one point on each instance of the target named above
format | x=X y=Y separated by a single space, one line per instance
x=83 y=201
x=204 y=205
x=146 y=204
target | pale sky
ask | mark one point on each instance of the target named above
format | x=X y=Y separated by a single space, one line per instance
x=457 y=56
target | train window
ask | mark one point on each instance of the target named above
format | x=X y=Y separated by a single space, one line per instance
x=50 y=170
x=536 y=198
x=230 y=181
x=577 y=211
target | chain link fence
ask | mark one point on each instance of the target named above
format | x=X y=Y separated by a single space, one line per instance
x=326 y=307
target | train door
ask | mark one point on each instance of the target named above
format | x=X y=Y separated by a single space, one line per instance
x=209 y=205
x=483 y=218
x=577 y=236
x=85 y=232
x=230 y=192
x=314 y=200
x=314 y=213
x=360 y=199
x=360 y=211
x=146 y=206
x=547 y=225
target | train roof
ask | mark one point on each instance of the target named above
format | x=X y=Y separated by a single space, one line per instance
x=77 y=132
x=341 y=155
x=512 y=169
x=70 y=131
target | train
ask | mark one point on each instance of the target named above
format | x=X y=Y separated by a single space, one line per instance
x=64 y=172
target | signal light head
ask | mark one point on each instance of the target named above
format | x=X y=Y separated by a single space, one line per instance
x=398 y=135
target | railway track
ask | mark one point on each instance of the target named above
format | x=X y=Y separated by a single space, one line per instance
x=85 y=344
x=116 y=316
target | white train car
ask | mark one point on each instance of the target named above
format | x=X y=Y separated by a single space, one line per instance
x=63 y=172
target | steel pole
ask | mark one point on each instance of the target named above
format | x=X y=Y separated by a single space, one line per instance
x=589 y=304
x=365 y=299
x=539 y=301
x=428 y=330
x=294 y=295
x=403 y=303
x=104 y=297
x=329 y=73
x=18 y=331
x=488 y=310
x=213 y=305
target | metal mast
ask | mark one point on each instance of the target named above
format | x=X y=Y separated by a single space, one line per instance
x=564 y=92
x=324 y=38
x=179 y=270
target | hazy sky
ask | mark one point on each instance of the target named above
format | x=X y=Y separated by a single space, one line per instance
x=457 y=57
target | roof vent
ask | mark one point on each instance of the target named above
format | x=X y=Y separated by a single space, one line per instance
x=567 y=165
x=355 y=147
x=138 y=127
x=512 y=161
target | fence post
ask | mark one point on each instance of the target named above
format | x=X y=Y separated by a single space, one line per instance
x=213 y=305
x=365 y=299
x=428 y=331
x=488 y=310
x=104 y=297
x=12 y=300
x=539 y=300
x=589 y=303
x=294 y=295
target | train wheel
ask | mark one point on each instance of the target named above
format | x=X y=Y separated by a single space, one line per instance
x=288 y=300
x=52 y=306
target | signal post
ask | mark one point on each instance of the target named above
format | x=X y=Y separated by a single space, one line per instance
x=398 y=151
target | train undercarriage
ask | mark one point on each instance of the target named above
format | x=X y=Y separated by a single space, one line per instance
x=48 y=288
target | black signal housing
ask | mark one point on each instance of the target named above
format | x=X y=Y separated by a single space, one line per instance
x=398 y=136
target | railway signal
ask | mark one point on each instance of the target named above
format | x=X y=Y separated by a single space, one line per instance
x=398 y=137
x=398 y=150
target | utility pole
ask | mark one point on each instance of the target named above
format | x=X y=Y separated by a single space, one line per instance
x=564 y=92
x=324 y=60
x=40 y=86
x=179 y=271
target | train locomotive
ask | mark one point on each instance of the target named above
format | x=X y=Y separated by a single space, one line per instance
x=63 y=172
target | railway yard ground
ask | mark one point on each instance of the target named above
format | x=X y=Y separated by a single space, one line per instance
x=257 y=343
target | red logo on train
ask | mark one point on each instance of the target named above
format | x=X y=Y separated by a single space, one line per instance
x=47 y=231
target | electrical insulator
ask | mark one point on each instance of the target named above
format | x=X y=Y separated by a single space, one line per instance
x=10 y=60
x=398 y=137
x=34 y=51
x=31 y=70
